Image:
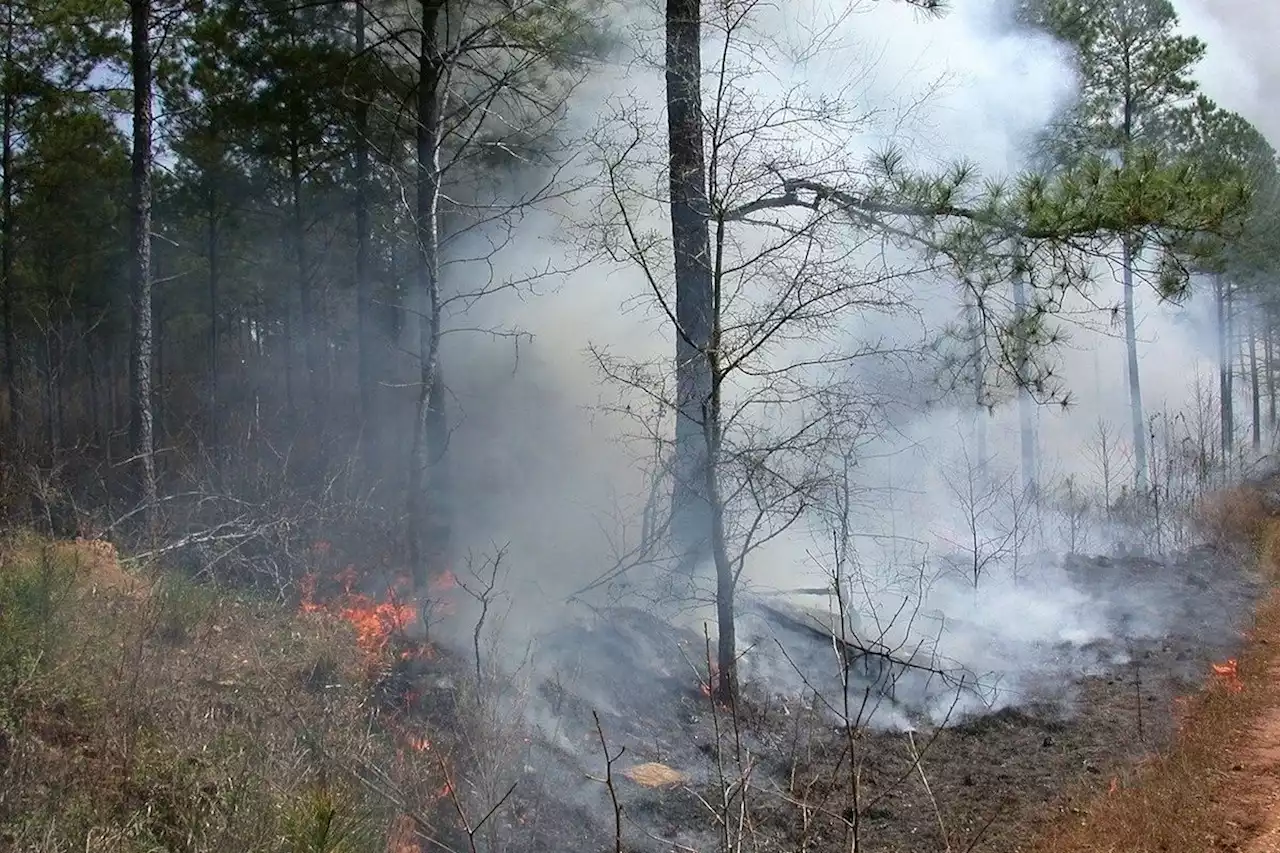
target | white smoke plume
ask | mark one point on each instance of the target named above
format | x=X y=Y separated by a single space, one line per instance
x=540 y=466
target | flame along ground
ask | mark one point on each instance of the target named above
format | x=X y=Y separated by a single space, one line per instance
x=378 y=624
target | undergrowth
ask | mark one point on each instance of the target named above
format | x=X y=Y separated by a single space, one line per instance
x=145 y=712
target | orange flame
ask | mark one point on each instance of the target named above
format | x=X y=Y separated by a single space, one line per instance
x=375 y=622
x=1114 y=786
x=1227 y=674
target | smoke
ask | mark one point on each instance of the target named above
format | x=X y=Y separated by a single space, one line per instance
x=1240 y=69
x=543 y=468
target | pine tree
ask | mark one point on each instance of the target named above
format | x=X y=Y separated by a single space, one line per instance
x=1134 y=70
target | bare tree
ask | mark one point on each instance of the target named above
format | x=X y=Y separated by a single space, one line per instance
x=991 y=526
x=477 y=75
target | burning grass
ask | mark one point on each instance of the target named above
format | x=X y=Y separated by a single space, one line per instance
x=1208 y=791
x=157 y=714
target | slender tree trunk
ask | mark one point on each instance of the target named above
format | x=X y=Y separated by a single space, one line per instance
x=1138 y=420
x=979 y=387
x=1254 y=381
x=1225 y=438
x=211 y=248
x=426 y=501
x=302 y=264
x=113 y=393
x=1269 y=353
x=288 y=346
x=58 y=382
x=726 y=682
x=691 y=506
x=95 y=395
x=50 y=425
x=141 y=424
x=6 y=231
x=364 y=283
x=159 y=370
x=1026 y=425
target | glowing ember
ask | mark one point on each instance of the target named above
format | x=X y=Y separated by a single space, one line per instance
x=711 y=680
x=1227 y=674
x=442 y=583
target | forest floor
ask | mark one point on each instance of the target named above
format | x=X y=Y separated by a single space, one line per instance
x=141 y=711
x=1216 y=785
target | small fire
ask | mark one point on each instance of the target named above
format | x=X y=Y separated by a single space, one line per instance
x=1114 y=786
x=376 y=622
x=1227 y=674
x=711 y=680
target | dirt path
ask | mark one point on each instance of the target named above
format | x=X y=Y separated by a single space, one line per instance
x=1257 y=779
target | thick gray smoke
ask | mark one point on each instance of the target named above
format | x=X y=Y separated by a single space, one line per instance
x=544 y=468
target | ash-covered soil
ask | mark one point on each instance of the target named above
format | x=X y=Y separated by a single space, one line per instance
x=788 y=774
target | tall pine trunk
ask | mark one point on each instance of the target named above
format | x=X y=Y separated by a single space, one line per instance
x=141 y=425
x=1137 y=418
x=974 y=321
x=691 y=518
x=302 y=269
x=1026 y=427
x=427 y=500
x=1226 y=427
x=1254 y=381
x=364 y=284
x=7 y=111
x=215 y=284
x=1268 y=354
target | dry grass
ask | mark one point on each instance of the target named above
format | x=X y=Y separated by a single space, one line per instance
x=1197 y=796
x=144 y=714
x=1234 y=516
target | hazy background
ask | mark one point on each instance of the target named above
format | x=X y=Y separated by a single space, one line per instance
x=544 y=469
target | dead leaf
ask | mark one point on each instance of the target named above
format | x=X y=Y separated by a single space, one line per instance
x=654 y=775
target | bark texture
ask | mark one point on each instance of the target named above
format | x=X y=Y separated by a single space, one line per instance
x=141 y=424
x=690 y=220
